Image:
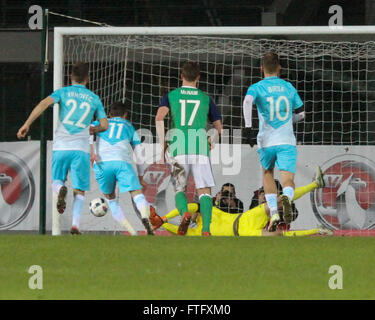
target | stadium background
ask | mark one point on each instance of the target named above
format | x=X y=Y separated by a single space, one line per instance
x=100 y=267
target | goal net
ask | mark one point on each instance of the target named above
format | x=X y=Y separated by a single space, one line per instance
x=334 y=79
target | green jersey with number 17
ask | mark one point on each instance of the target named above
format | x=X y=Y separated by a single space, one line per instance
x=190 y=108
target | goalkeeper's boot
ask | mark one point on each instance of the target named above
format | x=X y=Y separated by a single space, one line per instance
x=206 y=234
x=319 y=178
x=74 y=231
x=155 y=219
x=274 y=222
x=287 y=209
x=148 y=227
x=184 y=225
x=61 y=204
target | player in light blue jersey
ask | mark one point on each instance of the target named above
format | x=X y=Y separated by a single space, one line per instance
x=113 y=154
x=71 y=149
x=279 y=106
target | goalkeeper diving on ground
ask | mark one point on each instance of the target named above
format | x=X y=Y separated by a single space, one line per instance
x=253 y=222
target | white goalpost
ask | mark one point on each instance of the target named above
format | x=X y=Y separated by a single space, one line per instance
x=333 y=77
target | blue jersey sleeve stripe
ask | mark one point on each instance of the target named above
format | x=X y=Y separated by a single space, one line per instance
x=164 y=101
x=214 y=113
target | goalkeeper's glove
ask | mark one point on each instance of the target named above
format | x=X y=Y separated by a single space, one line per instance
x=248 y=136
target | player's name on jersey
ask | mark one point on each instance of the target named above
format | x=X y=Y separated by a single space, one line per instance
x=275 y=89
x=73 y=94
x=189 y=92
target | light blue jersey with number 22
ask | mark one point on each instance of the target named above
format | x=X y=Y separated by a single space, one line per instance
x=78 y=105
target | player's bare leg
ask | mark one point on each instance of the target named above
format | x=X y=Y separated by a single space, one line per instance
x=144 y=208
x=270 y=190
x=179 y=177
x=118 y=214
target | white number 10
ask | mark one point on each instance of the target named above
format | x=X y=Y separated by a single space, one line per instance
x=183 y=111
x=272 y=108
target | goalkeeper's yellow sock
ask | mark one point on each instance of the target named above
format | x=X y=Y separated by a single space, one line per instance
x=192 y=208
x=174 y=229
x=300 y=233
x=301 y=191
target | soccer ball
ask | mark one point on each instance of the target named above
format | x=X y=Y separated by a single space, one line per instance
x=98 y=207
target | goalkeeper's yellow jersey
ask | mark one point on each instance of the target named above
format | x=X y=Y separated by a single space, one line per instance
x=249 y=223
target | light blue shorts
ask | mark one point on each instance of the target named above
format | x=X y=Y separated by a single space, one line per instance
x=107 y=173
x=284 y=156
x=75 y=161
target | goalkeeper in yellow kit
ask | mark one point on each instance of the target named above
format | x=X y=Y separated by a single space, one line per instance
x=250 y=223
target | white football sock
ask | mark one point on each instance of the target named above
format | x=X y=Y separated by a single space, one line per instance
x=289 y=192
x=56 y=185
x=119 y=216
x=78 y=203
x=142 y=205
x=271 y=199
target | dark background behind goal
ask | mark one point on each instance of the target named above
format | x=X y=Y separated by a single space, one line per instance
x=20 y=77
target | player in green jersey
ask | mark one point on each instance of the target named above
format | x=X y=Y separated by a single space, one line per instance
x=188 y=143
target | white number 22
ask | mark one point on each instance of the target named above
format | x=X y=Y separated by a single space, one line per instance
x=73 y=104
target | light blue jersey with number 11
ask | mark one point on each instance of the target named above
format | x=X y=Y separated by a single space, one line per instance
x=78 y=105
x=276 y=99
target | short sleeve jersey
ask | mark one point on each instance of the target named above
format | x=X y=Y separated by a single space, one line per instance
x=78 y=106
x=276 y=99
x=190 y=109
x=116 y=143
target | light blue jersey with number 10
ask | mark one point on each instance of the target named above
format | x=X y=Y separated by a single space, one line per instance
x=276 y=99
x=78 y=105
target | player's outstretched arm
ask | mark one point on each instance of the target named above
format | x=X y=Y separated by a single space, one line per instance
x=35 y=114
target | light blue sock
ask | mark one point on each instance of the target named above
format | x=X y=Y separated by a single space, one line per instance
x=78 y=203
x=271 y=199
x=116 y=210
x=289 y=192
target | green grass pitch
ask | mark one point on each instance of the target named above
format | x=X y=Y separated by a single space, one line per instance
x=147 y=268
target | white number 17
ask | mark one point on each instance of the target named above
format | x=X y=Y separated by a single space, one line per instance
x=183 y=111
